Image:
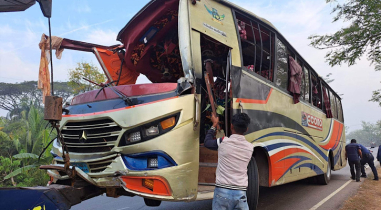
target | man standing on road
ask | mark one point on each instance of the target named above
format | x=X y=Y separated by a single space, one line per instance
x=353 y=154
x=367 y=157
x=234 y=155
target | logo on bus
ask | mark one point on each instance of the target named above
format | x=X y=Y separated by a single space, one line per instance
x=312 y=121
x=216 y=17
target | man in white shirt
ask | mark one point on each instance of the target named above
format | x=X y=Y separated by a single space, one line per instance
x=234 y=155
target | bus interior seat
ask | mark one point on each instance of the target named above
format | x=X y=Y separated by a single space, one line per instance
x=155 y=52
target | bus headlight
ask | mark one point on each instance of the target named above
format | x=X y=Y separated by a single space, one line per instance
x=149 y=131
x=152 y=131
x=133 y=137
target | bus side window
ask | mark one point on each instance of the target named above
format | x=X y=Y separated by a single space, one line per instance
x=339 y=110
x=302 y=83
x=282 y=65
x=248 y=41
x=316 y=91
x=257 y=46
x=306 y=80
x=333 y=104
x=326 y=103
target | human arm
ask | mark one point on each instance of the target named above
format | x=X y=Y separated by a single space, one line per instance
x=210 y=141
x=360 y=153
x=346 y=155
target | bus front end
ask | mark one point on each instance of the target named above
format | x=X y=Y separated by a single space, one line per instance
x=140 y=139
x=145 y=148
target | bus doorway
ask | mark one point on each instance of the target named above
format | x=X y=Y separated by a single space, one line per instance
x=215 y=59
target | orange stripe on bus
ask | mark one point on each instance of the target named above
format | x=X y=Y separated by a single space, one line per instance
x=115 y=110
x=254 y=101
x=278 y=167
x=336 y=135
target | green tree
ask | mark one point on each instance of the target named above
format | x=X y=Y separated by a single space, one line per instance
x=7 y=166
x=17 y=97
x=22 y=140
x=368 y=134
x=88 y=71
x=327 y=78
x=362 y=36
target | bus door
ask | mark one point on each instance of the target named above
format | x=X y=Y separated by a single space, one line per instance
x=212 y=35
x=215 y=98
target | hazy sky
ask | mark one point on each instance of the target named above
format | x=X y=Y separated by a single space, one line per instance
x=100 y=21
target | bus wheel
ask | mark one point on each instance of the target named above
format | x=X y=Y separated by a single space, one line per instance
x=323 y=179
x=150 y=202
x=252 y=192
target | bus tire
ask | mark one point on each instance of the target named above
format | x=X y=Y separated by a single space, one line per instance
x=252 y=192
x=150 y=202
x=323 y=179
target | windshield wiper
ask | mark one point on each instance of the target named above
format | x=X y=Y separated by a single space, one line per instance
x=116 y=91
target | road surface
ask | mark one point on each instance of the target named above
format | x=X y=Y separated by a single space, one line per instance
x=303 y=194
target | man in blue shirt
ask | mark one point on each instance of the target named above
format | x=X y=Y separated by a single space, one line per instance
x=367 y=157
x=353 y=154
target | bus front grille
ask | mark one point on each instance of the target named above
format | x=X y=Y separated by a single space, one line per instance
x=95 y=166
x=90 y=136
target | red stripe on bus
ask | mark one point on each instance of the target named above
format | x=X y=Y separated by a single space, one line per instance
x=254 y=101
x=115 y=110
x=278 y=167
x=336 y=133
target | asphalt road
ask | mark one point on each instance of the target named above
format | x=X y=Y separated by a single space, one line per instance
x=303 y=194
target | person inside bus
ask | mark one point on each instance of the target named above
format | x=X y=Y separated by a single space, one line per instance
x=353 y=154
x=367 y=157
x=234 y=155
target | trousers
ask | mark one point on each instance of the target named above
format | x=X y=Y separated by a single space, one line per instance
x=227 y=199
x=353 y=165
x=370 y=160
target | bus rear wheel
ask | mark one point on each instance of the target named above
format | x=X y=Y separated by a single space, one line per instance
x=150 y=202
x=252 y=192
x=323 y=179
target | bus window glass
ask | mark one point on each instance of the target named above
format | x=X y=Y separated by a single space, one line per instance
x=306 y=80
x=302 y=84
x=282 y=65
x=333 y=104
x=339 y=110
x=316 y=91
x=257 y=46
x=267 y=53
x=247 y=41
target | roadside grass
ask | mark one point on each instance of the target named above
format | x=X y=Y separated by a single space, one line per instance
x=367 y=197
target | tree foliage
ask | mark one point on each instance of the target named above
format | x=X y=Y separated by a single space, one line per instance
x=88 y=71
x=369 y=133
x=361 y=37
x=327 y=78
x=16 y=97
x=22 y=139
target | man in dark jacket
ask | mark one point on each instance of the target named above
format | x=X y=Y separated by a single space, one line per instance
x=353 y=154
x=367 y=157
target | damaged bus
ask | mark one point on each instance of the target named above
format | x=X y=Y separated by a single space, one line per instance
x=202 y=56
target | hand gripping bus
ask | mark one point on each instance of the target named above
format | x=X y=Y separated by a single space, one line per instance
x=147 y=139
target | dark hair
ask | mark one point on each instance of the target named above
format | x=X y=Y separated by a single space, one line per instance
x=353 y=141
x=240 y=122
